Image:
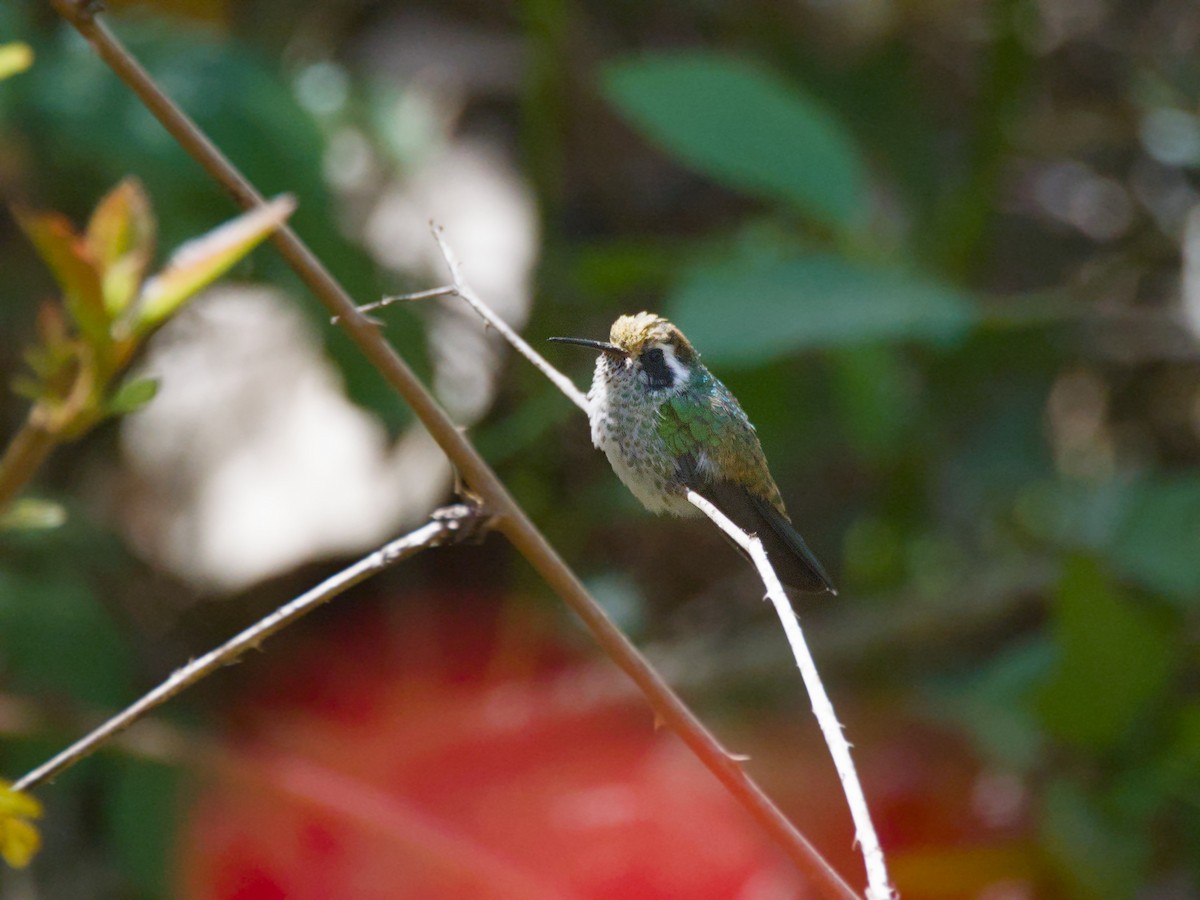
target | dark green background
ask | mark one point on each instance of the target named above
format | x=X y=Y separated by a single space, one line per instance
x=846 y=213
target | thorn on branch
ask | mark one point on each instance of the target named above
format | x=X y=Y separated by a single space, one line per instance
x=370 y=320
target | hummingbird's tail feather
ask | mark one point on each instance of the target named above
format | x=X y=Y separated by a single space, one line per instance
x=796 y=565
x=783 y=532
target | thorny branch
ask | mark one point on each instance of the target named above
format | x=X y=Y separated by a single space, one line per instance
x=877 y=878
x=447 y=525
x=511 y=520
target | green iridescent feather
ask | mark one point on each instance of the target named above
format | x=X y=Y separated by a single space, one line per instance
x=706 y=418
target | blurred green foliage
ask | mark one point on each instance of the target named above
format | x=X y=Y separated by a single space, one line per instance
x=745 y=128
x=814 y=301
x=936 y=253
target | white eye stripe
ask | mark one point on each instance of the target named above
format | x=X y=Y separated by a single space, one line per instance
x=679 y=371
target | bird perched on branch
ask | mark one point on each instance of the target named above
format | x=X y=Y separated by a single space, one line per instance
x=667 y=425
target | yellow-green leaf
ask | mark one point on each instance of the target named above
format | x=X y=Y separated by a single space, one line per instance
x=132 y=396
x=199 y=262
x=27 y=387
x=120 y=238
x=1102 y=634
x=14 y=58
x=19 y=840
x=69 y=258
x=32 y=514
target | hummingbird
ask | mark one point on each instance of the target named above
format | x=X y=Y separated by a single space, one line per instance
x=668 y=425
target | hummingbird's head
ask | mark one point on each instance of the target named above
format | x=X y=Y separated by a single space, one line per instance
x=645 y=346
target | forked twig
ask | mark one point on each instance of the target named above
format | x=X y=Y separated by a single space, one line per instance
x=460 y=288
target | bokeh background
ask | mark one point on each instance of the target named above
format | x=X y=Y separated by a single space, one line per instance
x=946 y=254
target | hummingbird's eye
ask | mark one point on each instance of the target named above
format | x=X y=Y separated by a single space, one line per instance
x=658 y=373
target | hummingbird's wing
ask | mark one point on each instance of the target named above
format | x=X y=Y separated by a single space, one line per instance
x=795 y=564
x=717 y=454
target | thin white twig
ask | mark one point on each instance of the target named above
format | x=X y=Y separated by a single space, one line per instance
x=383 y=302
x=444 y=525
x=461 y=288
x=464 y=290
x=878 y=887
x=447 y=290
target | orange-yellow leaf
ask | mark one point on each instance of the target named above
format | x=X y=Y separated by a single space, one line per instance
x=121 y=222
x=199 y=262
x=120 y=238
x=14 y=58
x=19 y=840
x=69 y=258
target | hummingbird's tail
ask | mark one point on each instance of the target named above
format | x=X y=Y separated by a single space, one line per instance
x=796 y=565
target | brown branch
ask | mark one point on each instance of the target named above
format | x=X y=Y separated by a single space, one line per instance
x=512 y=520
x=25 y=453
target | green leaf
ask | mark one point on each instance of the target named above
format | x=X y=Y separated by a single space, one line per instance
x=746 y=128
x=28 y=387
x=132 y=396
x=875 y=394
x=120 y=238
x=141 y=814
x=1115 y=659
x=55 y=636
x=990 y=703
x=74 y=269
x=199 y=262
x=1093 y=855
x=1179 y=769
x=14 y=59
x=750 y=311
x=1158 y=540
x=32 y=514
x=1149 y=528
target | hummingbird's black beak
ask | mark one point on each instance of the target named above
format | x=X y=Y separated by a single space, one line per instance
x=602 y=346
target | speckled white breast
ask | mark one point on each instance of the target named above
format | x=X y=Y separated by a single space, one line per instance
x=624 y=418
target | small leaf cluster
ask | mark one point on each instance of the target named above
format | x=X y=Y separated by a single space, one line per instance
x=110 y=304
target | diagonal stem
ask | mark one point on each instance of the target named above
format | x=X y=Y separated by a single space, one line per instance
x=512 y=520
x=24 y=456
x=444 y=526
x=839 y=748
